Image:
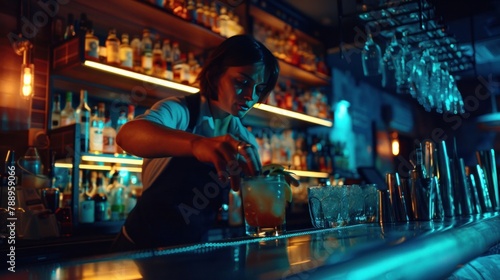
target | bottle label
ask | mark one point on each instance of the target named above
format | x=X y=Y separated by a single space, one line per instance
x=117 y=212
x=55 y=122
x=96 y=139
x=126 y=57
x=102 y=211
x=113 y=52
x=147 y=63
x=87 y=211
x=109 y=144
x=92 y=47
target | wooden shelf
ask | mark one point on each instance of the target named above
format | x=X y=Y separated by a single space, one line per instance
x=261 y=117
x=133 y=16
x=293 y=72
x=286 y=69
x=277 y=24
x=71 y=73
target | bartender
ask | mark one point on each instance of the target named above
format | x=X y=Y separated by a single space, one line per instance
x=195 y=148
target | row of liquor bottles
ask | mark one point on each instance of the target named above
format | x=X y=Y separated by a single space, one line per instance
x=287 y=46
x=103 y=198
x=212 y=15
x=301 y=151
x=97 y=132
x=310 y=101
x=149 y=55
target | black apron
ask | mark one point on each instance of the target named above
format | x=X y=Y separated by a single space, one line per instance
x=179 y=207
x=182 y=204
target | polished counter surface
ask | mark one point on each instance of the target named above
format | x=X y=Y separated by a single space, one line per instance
x=414 y=250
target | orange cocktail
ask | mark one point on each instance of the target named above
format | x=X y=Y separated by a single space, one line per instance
x=264 y=204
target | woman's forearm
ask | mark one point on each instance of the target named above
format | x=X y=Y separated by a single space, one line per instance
x=149 y=140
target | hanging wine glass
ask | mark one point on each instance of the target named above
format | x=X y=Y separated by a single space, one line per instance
x=388 y=73
x=443 y=92
x=400 y=60
x=412 y=67
x=371 y=57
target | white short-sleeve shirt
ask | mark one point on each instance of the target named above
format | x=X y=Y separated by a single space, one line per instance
x=173 y=112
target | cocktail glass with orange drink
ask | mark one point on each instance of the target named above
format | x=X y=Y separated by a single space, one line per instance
x=265 y=198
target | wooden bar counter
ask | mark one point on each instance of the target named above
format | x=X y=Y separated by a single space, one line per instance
x=413 y=250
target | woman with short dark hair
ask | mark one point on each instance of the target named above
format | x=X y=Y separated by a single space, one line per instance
x=192 y=145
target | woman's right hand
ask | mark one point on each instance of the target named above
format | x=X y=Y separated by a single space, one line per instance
x=223 y=153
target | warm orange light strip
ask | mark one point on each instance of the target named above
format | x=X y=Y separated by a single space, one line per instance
x=292 y=114
x=97 y=167
x=141 y=77
x=136 y=161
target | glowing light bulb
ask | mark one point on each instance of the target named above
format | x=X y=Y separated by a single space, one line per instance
x=27 y=80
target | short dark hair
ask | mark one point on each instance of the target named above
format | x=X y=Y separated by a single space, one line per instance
x=238 y=50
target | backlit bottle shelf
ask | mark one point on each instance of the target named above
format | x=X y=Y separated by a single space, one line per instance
x=105 y=162
x=309 y=174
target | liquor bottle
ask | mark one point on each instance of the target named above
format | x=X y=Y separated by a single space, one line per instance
x=109 y=138
x=122 y=119
x=147 y=52
x=56 y=112
x=112 y=48
x=199 y=13
x=83 y=24
x=87 y=204
x=167 y=57
x=131 y=112
x=118 y=197
x=206 y=15
x=91 y=42
x=68 y=113
x=230 y=24
x=167 y=50
x=83 y=118
x=102 y=210
x=96 y=131
x=92 y=183
x=126 y=52
x=176 y=53
x=223 y=22
x=135 y=44
x=191 y=11
x=70 y=27
x=214 y=18
x=158 y=62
